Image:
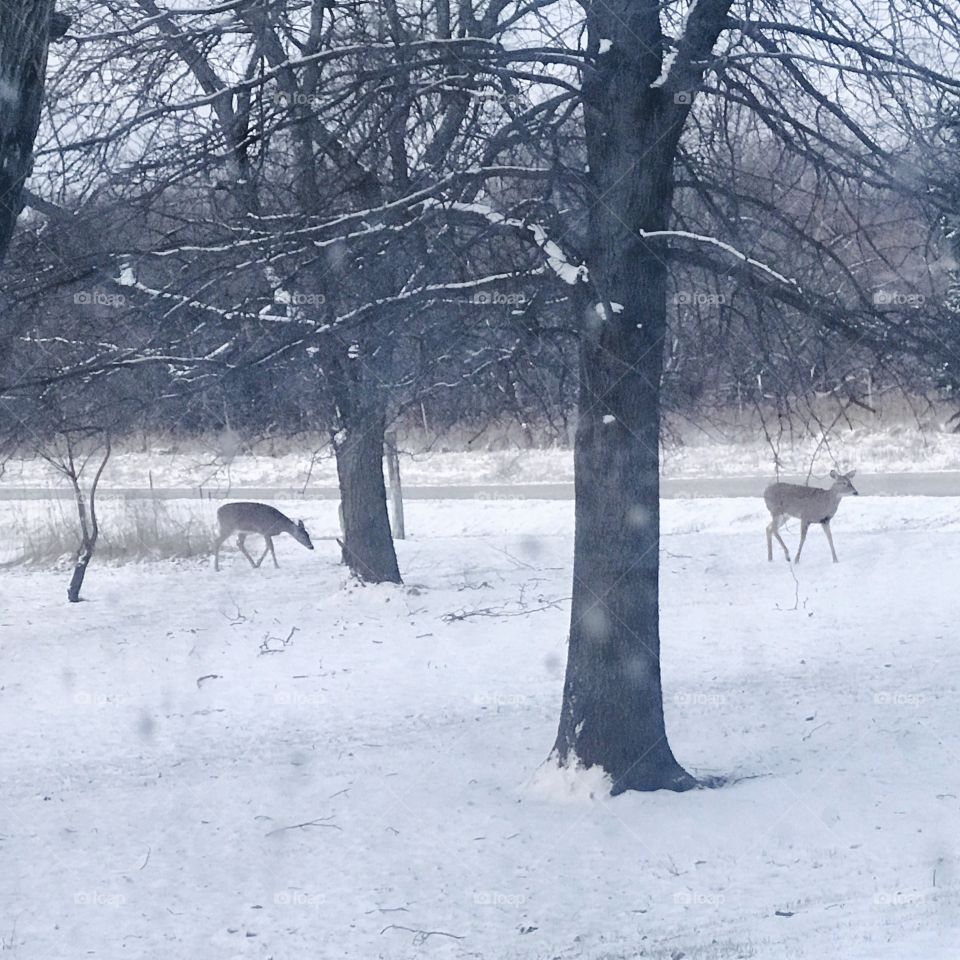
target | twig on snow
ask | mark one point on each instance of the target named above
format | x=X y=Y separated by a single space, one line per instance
x=810 y=733
x=421 y=936
x=319 y=822
x=455 y=615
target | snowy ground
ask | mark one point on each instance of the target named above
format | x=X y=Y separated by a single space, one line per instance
x=187 y=775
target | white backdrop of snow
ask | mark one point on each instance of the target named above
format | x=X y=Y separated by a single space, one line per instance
x=150 y=812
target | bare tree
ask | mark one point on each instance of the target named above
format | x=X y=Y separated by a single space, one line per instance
x=649 y=67
x=318 y=178
x=72 y=456
x=330 y=149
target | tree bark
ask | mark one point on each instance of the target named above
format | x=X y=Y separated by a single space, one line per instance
x=612 y=714
x=367 y=542
x=89 y=524
x=26 y=27
x=80 y=570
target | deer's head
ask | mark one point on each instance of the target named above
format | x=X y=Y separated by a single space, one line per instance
x=301 y=536
x=842 y=485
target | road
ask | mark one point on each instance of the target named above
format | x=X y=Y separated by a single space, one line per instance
x=874 y=485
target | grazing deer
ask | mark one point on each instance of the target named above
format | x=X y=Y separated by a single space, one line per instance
x=808 y=505
x=246 y=518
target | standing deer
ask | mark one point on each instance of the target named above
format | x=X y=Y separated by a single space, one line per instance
x=808 y=505
x=246 y=518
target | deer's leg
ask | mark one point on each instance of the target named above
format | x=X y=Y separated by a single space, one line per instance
x=826 y=530
x=773 y=530
x=241 y=538
x=266 y=547
x=216 y=551
x=804 y=526
x=273 y=552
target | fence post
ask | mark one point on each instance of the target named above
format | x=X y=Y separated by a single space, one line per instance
x=153 y=505
x=396 y=491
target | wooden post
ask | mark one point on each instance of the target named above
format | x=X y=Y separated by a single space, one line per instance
x=396 y=491
x=153 y=504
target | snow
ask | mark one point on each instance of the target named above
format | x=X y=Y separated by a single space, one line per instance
x=556 y=259
x=665 y=69
x=605 y=45
x=671 y=56
x=217 y=462
x=601 y=310
x=375 y=787
x=570 y=783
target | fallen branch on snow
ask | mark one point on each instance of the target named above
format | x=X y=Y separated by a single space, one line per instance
x=421 y=936
x=455 y=616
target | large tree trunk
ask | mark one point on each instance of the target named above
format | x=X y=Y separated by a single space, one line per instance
x=26 y=27
x=367 y=541
x=612 y=713
x=612 y=704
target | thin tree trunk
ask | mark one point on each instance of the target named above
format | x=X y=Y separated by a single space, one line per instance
x=80 y=569
x=89 y=525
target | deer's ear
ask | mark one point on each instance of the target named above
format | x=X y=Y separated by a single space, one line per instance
x=852 y=473
x=833 y=473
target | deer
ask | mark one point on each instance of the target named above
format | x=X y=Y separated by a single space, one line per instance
x=246 y=518
x=808 y=505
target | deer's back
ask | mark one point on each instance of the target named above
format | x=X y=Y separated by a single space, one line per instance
x=805 y=503
x=251 y=518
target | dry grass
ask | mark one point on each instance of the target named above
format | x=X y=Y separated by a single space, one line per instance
x=130 y=530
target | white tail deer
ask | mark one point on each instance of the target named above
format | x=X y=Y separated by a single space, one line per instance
x=808 y=505
x=246 y=518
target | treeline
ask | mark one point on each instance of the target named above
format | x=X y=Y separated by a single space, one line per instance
x=299 y=218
